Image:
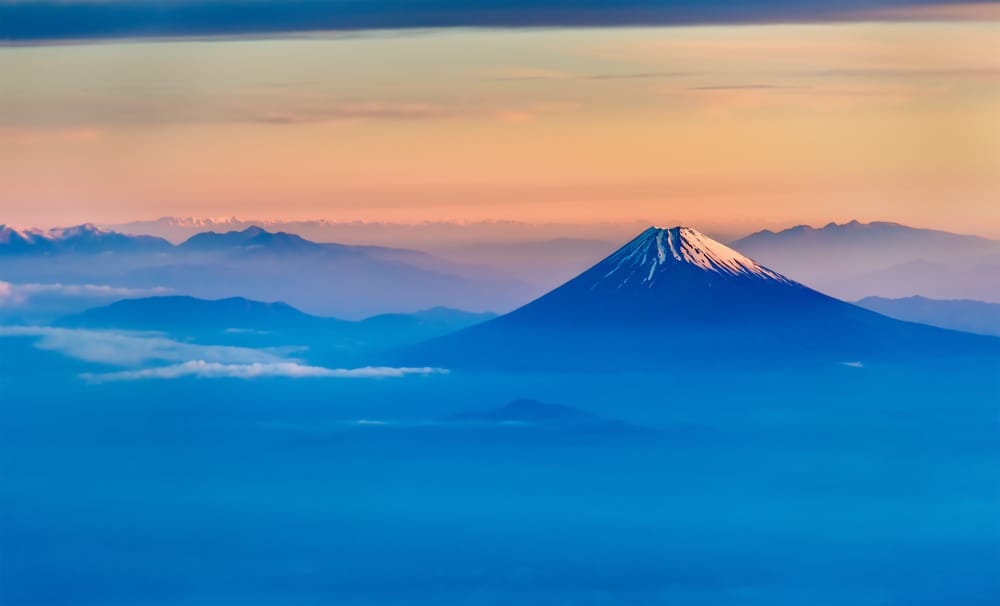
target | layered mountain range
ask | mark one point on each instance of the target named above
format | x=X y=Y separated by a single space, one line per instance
x=676 y=297
x=321 y=278
x=854 y=260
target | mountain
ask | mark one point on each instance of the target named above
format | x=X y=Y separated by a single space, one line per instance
x=240 y=321
x=19 y=241
x=256 y=240
x=251 y=239
x=432 y=236
x=321 y=278
x=189 y=316
x=854 y=259
x=80 y=239
x=967 y=315
x=676 y=297
x=543 y=255
x=525 y=410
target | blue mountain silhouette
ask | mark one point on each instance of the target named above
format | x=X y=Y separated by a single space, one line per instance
x=675 y=297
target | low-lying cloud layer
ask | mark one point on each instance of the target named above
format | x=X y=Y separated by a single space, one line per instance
x=120 y=348
x=13 y=295
x=134 y=350
x=292 y=370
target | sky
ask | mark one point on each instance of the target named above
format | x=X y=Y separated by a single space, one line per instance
x=726 y=116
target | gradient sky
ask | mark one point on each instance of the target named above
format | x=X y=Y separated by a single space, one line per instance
x=885 y=115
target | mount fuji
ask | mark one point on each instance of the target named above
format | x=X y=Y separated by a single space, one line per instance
x=673 y=296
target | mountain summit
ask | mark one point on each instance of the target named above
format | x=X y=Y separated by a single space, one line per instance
x=80 y=239
x=674 y=276
x=660 y=257
x=673 y=296
x=657 y=254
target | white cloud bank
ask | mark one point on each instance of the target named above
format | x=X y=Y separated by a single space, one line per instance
x=293 y=370
x=133 y=349
x=13 y=295
x=121 y=348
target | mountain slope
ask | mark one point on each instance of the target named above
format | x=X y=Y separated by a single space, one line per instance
x=676 y=297
x=189 y=316
x=967 y=315
x=240 y=321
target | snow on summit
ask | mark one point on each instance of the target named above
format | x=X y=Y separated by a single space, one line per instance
x=657 y=251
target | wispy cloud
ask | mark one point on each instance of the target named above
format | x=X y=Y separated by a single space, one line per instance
x=13 y=295
x=521 y=74
x=341 y=112
x=121 y=348
x=985 y=72
x=292 y=370
x=26 y=136
x=937 y=11
x=279 y=109
x=132 y=349
x=637 y=75
x=727 y=99
x=747 y=87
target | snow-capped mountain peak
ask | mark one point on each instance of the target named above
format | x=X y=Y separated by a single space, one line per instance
x=10 y=234
x=76 y=231
x=657 y=251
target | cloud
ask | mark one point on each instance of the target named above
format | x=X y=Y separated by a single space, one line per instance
x=278 y=109
x=34 y=21
x=520 y=74
x=25 y=136
x=350 y=112
x=944 y=11
x=747 y=87
x=8 y=295
x=130 y=349
x=637 y=75
x=214 y=370
x=987 y=73
x=728 y=99
x=13 y=295
x=121 y=348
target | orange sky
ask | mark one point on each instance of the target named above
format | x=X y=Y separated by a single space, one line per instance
x=728 y=128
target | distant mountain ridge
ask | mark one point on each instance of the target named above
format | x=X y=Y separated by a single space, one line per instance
x=193 y=315
x=836 y=232
x=324 y=278
x=241 y=321
x=966 y=315
x=90 y=239
x=854 y=260
x=249 y=238
x=426 y=235
x=81 y=239
x=674 y=297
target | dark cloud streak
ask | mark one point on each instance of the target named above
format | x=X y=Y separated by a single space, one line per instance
x=33 y=22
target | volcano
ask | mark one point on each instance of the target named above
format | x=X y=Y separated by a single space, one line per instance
x=675 y=297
